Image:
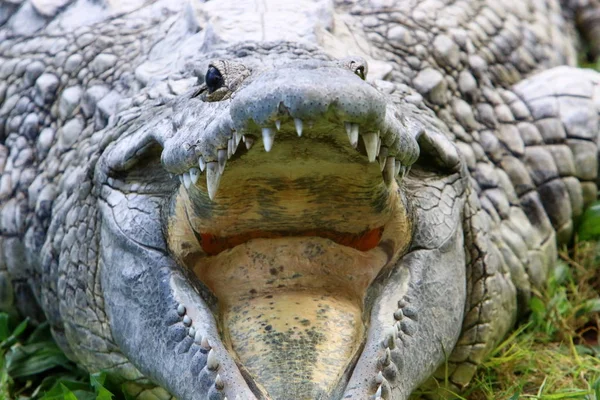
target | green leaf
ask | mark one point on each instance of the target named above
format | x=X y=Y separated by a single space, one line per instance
x=97 y=381
x=34 y=358
x=63 y=389
x=537 y=307
x=12 y=338
x=67 y=394
x=590 y=223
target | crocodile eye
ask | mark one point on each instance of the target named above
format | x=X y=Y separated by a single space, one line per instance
x=214 y=79
x=360 y=71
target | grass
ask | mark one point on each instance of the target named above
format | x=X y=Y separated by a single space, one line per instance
x=33 y=367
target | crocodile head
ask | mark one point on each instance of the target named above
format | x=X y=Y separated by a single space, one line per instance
x=295 y=238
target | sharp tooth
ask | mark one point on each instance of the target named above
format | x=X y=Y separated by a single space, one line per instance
x=219 y=385
x=213 y=178
x=238 y=138
x=205 y=344
x=398 y=165
x=194 y=174
x=201 y=164
x=390 y=339
x=198 y=337
x=268 y=137
x=352 y=131
x=222 y=158
x=278 y=124
x=211 y=361
x=298 y=123
x=249 y=142
x=390 y=170
x=378 y=393
x=387 y=358
x=379 y=378
x=370 y=140
x=180 y=178
x=187 y=180
x=383 y=153
x=229 y=148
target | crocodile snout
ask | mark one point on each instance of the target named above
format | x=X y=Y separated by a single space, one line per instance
x=334 y=94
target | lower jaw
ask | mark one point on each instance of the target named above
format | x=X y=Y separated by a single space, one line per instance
x=291 y=310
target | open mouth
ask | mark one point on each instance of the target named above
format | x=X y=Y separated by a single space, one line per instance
x=289 y=240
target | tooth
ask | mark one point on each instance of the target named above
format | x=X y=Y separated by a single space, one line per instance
x=211 y=361
x=398 y=328
x=229 y=148
x=268 y=137
x=238 y=138
x=370 y=140
x=379 y=377
x=198 y=337
x=278 y=124
x=390 y=170
x=194 y=174
x=219 y=385
x=298 y=123
x=378 y=393
x=398 y=166
x=249 y=142
x=383 y=153
x=180 y=178
x=205 y=344
x=389 y=340
x=352 y=131
x=222 y=158
x=201 y=164
x=213 y=178
x=186 y=180
x=387 y=358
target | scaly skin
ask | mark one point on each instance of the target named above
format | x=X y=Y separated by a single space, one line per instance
x=305 y=271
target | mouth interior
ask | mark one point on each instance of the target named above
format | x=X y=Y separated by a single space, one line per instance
x=364 y=241
x=290 y=246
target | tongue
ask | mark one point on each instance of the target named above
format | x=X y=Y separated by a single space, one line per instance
x=291 y=309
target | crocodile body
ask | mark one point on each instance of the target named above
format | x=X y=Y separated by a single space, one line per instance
x=263 y=200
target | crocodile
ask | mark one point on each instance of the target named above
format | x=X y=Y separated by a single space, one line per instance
x=319 y=199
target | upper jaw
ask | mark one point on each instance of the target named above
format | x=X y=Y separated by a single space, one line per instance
x=206 y=135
